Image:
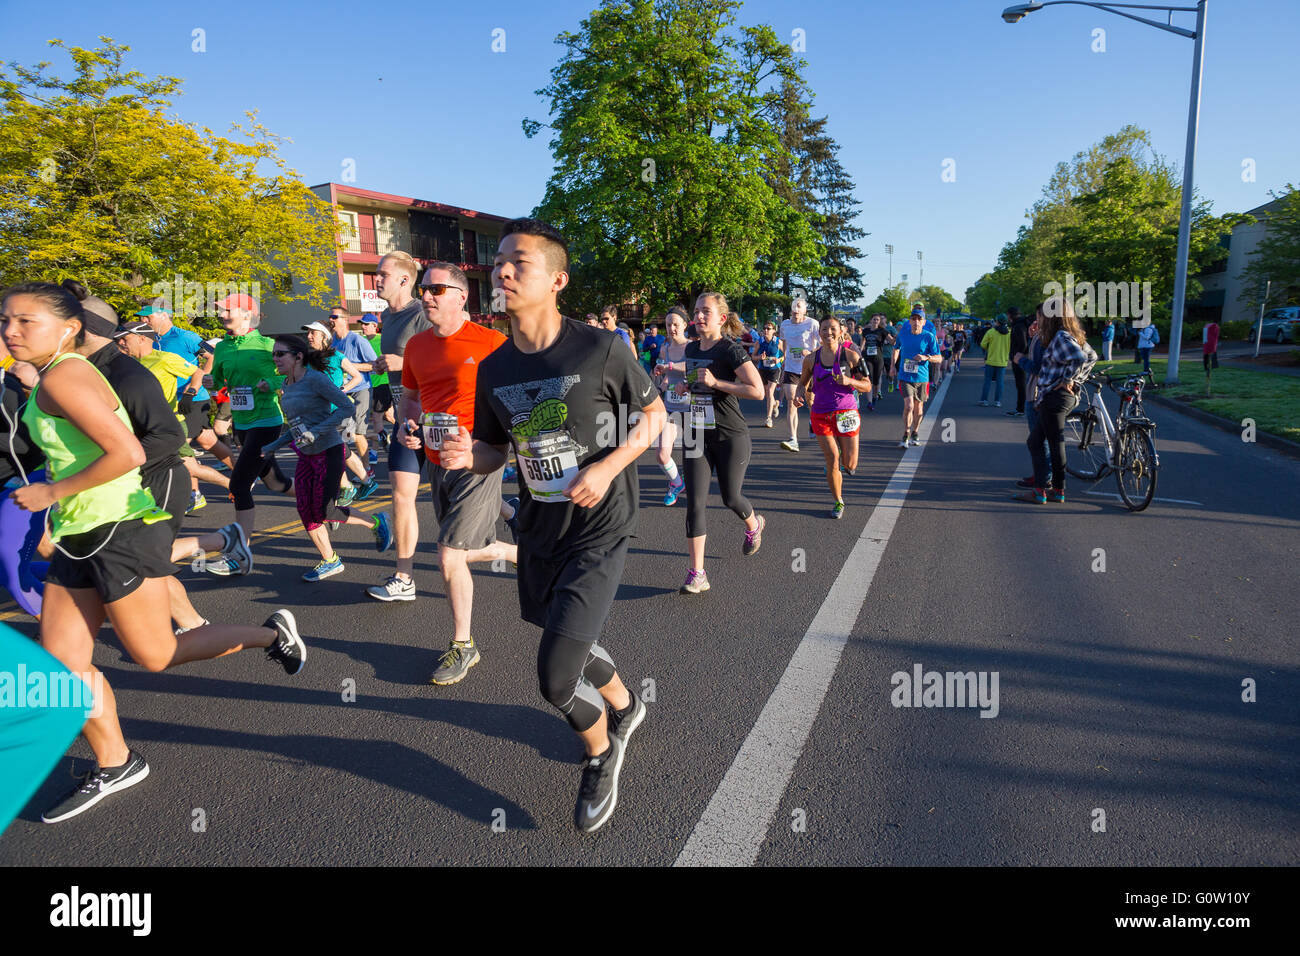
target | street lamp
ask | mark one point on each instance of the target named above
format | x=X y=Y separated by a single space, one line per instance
x=889 y=250
x=1016 y=13
x=920 y=282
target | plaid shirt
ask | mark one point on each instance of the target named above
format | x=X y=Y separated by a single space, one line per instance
x=1064 y=361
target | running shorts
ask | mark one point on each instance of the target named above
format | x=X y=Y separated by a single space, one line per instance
x=823 y=423
x=571 y=595
x=360 y=419
x=917 y=391
x=401 y=458
x=769 y=374
x=467 y=506
x=134 y=552
x=791 y=378
x=223 y=412
x=197 y=419
x=381 y=398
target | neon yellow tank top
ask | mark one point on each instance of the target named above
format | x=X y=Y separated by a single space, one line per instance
x=68 y=452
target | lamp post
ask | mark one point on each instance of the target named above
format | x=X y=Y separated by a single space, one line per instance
x=1016 y=13
x=889 y=251
x=921 y=265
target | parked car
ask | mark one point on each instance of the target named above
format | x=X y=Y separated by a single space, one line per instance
x=1280 y=325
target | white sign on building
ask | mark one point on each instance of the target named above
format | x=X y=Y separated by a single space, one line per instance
x=370 y=301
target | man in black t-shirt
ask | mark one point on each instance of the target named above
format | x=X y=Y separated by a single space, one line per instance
x=553 y=391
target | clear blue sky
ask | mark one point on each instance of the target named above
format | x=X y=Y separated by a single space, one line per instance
x=418 y=99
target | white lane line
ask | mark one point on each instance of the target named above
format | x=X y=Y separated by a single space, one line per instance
x=734 y=825
x=1171 y=501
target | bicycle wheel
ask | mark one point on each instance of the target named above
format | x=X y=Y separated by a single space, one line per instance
x=1084 y=457
x=1136 y=471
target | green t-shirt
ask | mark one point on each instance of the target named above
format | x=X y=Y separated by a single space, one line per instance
x=239 y=363
x=377 y=378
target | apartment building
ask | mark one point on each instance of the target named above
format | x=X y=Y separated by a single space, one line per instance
x=1223 y=283
x=374 y=223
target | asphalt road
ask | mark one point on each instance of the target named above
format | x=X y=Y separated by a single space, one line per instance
x=1118 y=691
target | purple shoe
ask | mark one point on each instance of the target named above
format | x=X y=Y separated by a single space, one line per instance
x=696 y=581
x=754 y=539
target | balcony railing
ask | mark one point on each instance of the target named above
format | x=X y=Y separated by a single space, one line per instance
x=363 y=241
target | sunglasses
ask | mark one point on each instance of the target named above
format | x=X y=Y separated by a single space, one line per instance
x=440 y=288
x=279 y=354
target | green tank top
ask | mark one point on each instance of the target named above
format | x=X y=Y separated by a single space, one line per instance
x=67 y=452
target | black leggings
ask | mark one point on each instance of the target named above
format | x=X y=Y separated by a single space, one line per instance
x=875 y=368
x=249 y=466
x=1053 y=409
x=729 y=458
x=569 y=671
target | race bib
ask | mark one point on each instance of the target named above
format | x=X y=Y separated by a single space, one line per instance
x=547 y=463
x=437 y=426
x=676 y=402
x=241 y=398
x=910 y=366
x=797 y=353
x=296 y=429
x=847 y=421
x=702 y=415
x=873 y=350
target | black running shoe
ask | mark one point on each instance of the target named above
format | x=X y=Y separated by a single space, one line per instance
x=623 y=726
x=96 y=785
x=598 y=794
x=287 y=649
x=513 y=523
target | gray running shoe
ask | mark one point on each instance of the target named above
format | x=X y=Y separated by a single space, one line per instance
x=623 y=727
x=394 y=589
x=96 y=785
x=455 y=663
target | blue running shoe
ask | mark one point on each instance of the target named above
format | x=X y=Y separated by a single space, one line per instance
x=675 y=488
x=383 y=533
x=368 y=489
x=510 y=473
x=326 y=569
x=373 y=456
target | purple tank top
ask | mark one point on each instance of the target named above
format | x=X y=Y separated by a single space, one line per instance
x=827 y=396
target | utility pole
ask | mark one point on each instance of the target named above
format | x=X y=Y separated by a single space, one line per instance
x=889 y=250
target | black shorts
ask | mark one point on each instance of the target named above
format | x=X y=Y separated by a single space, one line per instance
x=791 y=378
x=570 y=595
x=769 y=374
x=1210 y=361
x=171 y=492
x=134 y=552
x=381 y=398
x=197 y=419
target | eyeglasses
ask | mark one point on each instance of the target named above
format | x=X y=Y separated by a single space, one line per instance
x=440 y=288
x=277 y=354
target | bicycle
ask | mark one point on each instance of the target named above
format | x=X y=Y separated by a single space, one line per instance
x=1126 y=446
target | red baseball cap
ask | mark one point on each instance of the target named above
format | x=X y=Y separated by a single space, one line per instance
x=241 y=301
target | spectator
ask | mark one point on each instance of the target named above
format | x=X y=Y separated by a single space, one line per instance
x=1147 y=341
x=1107 y=339
x=1019 y=346
x=1067 y=360
x=1209 y=350
x=997 y=350
x=1030 y=364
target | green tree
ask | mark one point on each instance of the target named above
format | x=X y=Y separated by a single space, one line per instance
x=1277 y=257
x=662 y=155
x=935 y=299
x=892 y=303
x=99 y=183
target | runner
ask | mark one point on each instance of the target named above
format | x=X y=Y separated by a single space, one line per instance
x=767 y=354
x=798 y=337
x=946 y=348
x=671 y=370
x=438 y=377
x=913 y=352
x=887 y=354
x=545 y=392
x=347 y=377
x=959 y=341
x=381 y=399
x=875 y=340
x=315 y=407
x=718 y=373
x=112 y=549
x=357 y=350
x=153 y=420
x=609 y=322
x=243 y=364
x=395 y=283
x=835 y=420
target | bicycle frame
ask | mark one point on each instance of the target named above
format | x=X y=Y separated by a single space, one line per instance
x=1093 y=396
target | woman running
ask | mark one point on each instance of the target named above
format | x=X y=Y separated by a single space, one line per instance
x=345 y=375
x=768 y=352
x=242 y=363
x=670 y=371
x=718 y=373
x=876 y=341
x=835 y=419
x=315 y=407
x=112 y=547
